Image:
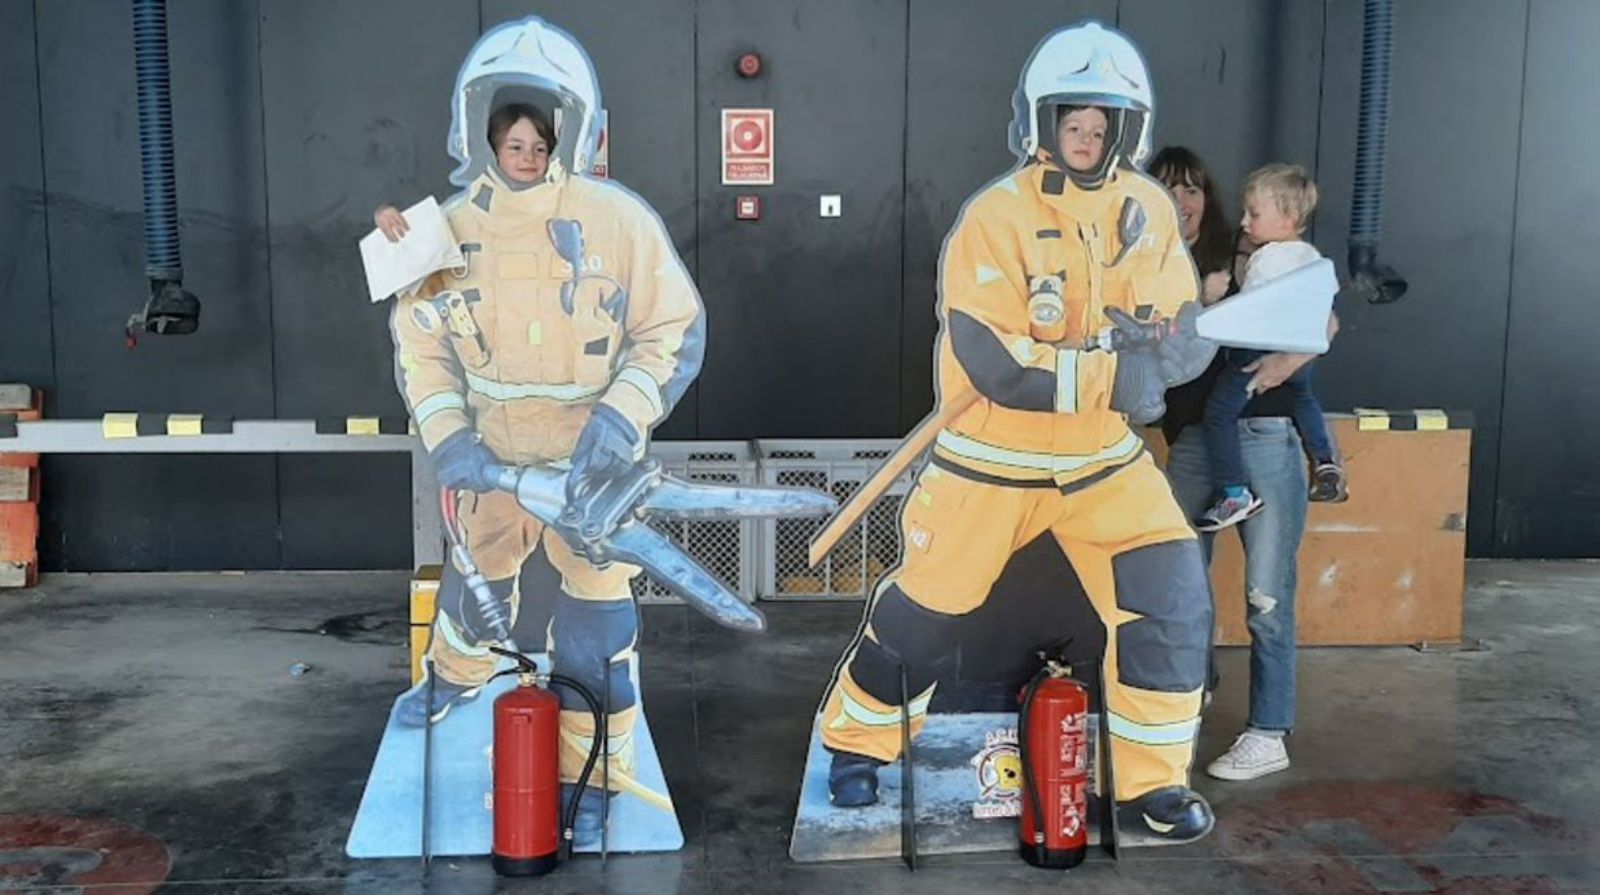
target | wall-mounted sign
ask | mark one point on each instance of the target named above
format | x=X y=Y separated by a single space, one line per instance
x=747 y=148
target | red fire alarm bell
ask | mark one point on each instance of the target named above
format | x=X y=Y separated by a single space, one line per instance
x=749 y=65
x=748 y=208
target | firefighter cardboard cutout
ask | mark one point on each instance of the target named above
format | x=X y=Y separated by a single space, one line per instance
x=534 y=368
x=1067 y=307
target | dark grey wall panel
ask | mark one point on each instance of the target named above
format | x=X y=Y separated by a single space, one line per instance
x=804 y=311
x=357 y=101
x=152 y=512
x=1549 y=490
x=1236 y=82
x=25 y=354
x=964 y=63
x=643 y=51
x=304 y=114
x=1448 y=208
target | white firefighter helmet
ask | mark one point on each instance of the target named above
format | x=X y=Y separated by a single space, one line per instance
x=1090 y=65
x=508 y=63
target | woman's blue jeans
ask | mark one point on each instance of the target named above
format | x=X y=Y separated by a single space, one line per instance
x=1275 y=465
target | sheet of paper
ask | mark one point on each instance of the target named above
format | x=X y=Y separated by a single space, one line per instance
x=428 y=246
x=1287 y=313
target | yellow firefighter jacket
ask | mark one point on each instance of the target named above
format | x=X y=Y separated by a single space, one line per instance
x=1028 y=241
x=497 y=347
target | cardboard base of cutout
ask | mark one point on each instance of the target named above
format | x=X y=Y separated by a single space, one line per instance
x=967 y=801
x=389 y=822
x=969 y=796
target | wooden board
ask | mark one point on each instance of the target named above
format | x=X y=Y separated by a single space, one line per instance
x=16 y=574
x=424 y=593
x=1387 y=567
x=27 y=405
x=19 y=495
x=15 y=483
x=19 y=532
x=14 y=397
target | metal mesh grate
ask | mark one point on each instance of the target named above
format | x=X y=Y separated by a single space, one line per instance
x=852 y=569
x=768 y=558
x=727 y=549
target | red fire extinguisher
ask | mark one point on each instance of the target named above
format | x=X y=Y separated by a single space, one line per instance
x=1053 y=734
x=530 y=834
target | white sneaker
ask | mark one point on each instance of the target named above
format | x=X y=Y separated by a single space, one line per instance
x=1251 y=755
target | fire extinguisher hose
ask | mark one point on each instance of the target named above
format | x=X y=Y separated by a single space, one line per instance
x=1028 y=782
x=600 y=737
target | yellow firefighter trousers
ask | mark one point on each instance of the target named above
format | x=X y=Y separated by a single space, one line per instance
x=958 y=536
x=501 y=536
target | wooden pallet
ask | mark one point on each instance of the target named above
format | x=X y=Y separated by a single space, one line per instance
x=19 y=495
x=1388 y=567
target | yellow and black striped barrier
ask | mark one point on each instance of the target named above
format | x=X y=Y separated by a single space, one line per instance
x=364 y=425
x=144 y=425
x=72 y=436
x=1420 y=420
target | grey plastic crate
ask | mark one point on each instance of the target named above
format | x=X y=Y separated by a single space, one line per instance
x=726 y=548
x=837 y=467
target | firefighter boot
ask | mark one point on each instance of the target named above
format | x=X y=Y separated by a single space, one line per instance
x=853 y=780
x=413 y=710
x=619 y=774
x=1174 y=814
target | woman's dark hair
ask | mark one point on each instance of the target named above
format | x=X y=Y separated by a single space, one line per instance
x=509 y=114
x=1213 y=247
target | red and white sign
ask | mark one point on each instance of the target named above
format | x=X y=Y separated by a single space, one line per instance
x=747 y=148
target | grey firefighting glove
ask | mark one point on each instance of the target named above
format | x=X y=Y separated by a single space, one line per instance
x=1137 y=390
x=1180 y=353
x=463 y=463
x=1154 y=356
x=605 y=450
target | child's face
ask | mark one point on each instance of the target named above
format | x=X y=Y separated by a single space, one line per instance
x=523 y=155
x=1082 y=138
x=1264 y=222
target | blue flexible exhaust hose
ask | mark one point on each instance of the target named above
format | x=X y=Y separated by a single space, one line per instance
x=163 y=261
x=169 y=309
x=1379 y=282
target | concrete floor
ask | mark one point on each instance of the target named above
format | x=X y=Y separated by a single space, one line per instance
x=165 y=702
